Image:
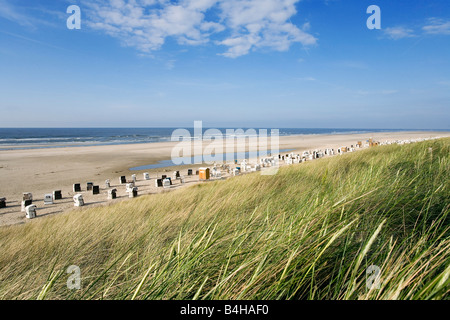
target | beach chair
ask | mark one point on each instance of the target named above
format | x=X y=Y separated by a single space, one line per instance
x=2 y=202
x=129 y=187
x=57 y=195
x=133 y=192
x=204 y=174
x=30 y=211
x=112 y=194
x=25 y=203
x=48 y=198
x=78 y=200
x=166 y=183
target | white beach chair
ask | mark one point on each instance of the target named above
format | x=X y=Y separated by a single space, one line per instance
x=24 y=204
x=48 y=198
x=129 y=187
x=78 y=200
x=133 y=192
x=166 y=183
x=30 y=211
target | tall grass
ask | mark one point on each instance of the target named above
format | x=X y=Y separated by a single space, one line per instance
x=308 y=232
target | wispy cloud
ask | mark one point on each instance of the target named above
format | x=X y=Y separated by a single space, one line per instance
x=307 y=79
x=240 y=25
x=170 y=64
x=23 y=16
x=21 y=37
x=437 y=26
x=11 y=13
x=397 y=33
x=432 y=26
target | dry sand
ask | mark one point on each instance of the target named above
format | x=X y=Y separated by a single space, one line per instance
x=42 y=171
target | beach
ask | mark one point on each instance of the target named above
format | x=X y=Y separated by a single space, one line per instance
x=41 y=171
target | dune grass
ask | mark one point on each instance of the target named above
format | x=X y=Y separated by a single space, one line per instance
x=308 y=232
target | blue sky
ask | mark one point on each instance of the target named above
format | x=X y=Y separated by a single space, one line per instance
x=230 y=63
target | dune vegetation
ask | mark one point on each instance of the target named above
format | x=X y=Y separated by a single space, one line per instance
x=309 y=232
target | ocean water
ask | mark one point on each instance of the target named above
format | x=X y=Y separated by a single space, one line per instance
x=30 y=138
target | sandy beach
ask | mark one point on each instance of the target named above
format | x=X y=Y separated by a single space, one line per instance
x=41 y=171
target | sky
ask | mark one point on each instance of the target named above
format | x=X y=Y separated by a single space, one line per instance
x=229 y=63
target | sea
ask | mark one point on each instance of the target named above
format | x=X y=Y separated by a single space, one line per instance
x=32 y=138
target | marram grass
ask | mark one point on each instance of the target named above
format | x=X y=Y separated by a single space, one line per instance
x=308 y=232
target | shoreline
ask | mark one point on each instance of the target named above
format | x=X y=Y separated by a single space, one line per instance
x=42 y=171
x=16 y=147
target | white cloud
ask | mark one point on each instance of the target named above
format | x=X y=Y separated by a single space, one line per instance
x=239 y=25
x=437 y=26
x=145 y=24
x=433 y=26
x=397 y=33
x=262 y=23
